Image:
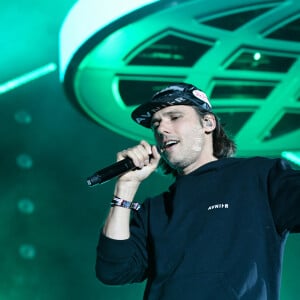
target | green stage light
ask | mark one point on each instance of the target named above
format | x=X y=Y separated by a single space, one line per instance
x=257 y=56
x=28 y=77
x=293 y=157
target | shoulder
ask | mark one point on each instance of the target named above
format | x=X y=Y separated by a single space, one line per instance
x=256 y=164
x=265 y=162
x=239 y=161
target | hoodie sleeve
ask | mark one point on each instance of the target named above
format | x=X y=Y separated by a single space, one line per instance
x=284 y=189
x=123 y=261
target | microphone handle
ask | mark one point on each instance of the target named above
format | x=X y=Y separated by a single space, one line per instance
x=111 y=171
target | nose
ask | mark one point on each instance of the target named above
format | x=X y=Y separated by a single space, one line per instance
x=163 y=128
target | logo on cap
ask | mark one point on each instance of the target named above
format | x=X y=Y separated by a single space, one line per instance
x=202 y=96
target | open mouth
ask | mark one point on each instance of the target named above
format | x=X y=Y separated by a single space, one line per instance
x=169 y=144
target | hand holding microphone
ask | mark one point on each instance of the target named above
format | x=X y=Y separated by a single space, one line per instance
x=134 y=164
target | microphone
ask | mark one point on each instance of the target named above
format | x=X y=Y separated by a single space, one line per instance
x=111 y=171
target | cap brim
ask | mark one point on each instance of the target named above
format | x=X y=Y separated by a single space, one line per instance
x=143 y=113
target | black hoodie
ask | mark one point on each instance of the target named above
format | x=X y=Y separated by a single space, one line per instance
x=217 y=234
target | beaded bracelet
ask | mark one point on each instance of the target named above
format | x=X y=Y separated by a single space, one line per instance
x=116 y=201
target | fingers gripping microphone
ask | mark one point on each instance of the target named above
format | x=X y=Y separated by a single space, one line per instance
x=111 y=171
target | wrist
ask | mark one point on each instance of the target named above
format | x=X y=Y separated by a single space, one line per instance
x=117 y=201
x=126 y=189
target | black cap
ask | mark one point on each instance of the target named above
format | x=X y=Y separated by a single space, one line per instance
x=175 y=94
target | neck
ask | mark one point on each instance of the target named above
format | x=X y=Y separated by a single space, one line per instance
x=200 y=162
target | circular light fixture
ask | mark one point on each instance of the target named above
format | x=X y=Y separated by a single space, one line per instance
x=114 y=57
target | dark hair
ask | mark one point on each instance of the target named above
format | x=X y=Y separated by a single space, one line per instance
x=223 y=145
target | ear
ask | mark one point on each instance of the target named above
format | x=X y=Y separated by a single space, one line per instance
x=209 y=123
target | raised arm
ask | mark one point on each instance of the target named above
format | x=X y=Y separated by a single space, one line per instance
x=146 y=158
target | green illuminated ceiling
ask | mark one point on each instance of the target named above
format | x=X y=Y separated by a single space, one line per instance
x=244 y=54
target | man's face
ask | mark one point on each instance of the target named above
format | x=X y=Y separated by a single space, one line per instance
x=180 y=136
